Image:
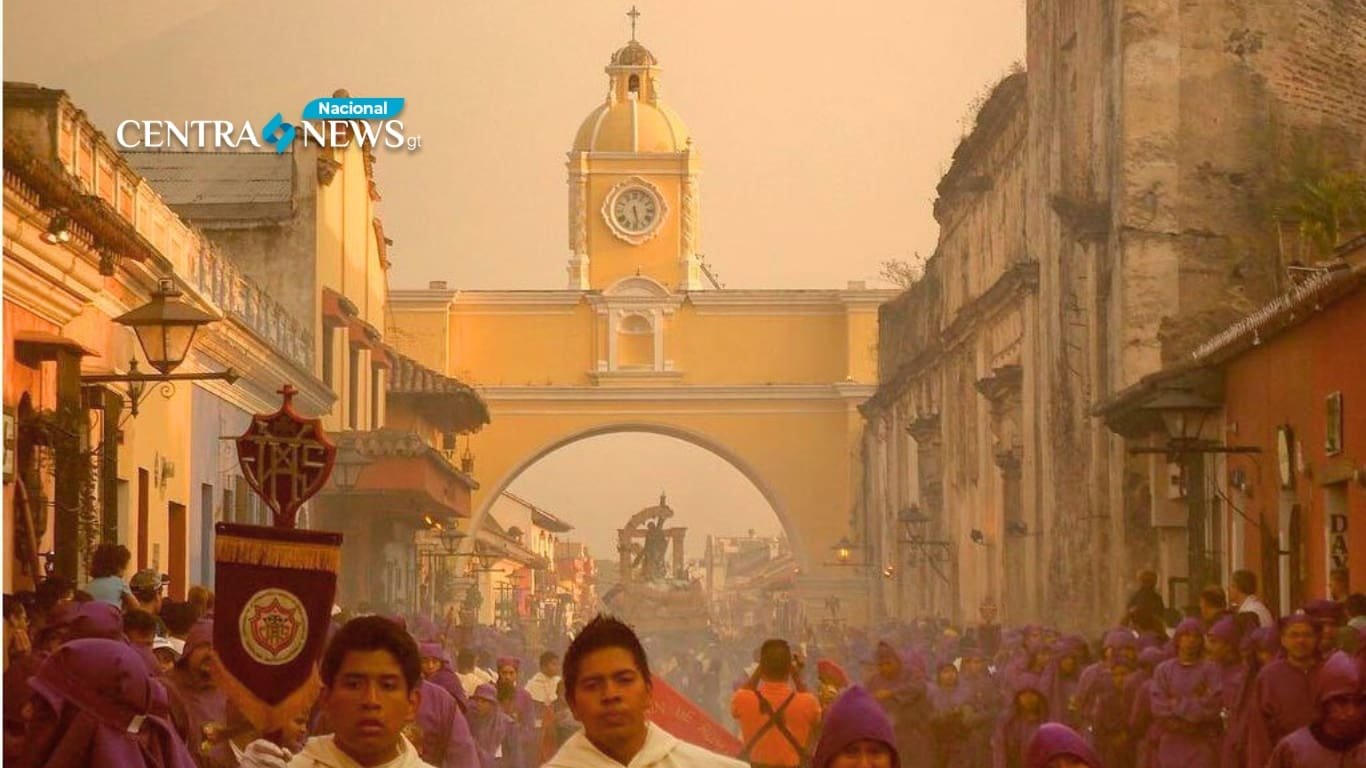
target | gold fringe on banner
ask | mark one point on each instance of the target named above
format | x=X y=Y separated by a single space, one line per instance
x=277 y=554
x=267 y=718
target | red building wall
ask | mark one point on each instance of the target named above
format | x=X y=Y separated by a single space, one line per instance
x=1285 y=381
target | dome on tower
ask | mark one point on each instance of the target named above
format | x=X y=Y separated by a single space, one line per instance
x=632 y=119
x=634 y=55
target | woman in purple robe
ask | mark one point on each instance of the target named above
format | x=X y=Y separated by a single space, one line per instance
x=95 y=705
x=1062 y=678
x=440 y=732
x=1221 y=647
x=1142 y=726
x=495 y=737
x=436 y=667
x=1028 y=711
x=900 y=688
x=1097 y=677
x=1055 y=746
x=1187 y=698
x=196 y=699
x=1337 y=737
x=949 y=725
x=1282 y=697
x=983 y=702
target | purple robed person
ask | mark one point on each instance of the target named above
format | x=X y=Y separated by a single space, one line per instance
x=494 y=733
x=96 y=705
x=953 y=718
x=900 y=687
x=1062 y=678
x=1337 y=737
x=1187 y=697
x=1283 y=694
x=195 y=698
x=445 y=675
x=1224 y=642
x=1056 y=740
x=1142 y=726
x=443 y=735
x=1096 y=677
x=1027 y=710
x=853 y=716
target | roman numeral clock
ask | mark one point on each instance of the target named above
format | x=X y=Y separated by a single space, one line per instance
x=634 y=209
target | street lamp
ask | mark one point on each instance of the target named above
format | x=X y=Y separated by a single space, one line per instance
x=347 y=467
x=165 y=326
x=1184 y=414
x=843 y=551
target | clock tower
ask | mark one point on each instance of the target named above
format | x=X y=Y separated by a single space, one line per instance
x=633 y=196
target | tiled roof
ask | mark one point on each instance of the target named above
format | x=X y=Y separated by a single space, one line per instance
x=220 y=185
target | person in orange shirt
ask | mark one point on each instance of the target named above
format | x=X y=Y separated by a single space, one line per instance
x=778 y=719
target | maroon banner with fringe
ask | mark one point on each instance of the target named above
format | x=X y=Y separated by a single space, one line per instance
x=273 y=603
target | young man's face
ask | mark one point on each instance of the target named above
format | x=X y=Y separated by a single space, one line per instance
x=507 y=675
x=1345 y=716
x=1188 y=646
x=1299 y=641
x=610 y=697
x=368 y=704
x=430 y=666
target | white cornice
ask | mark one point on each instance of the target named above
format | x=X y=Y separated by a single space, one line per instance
x=422 y=296
x=690 y=392
x=38 y=294
x=232 y=345
x=464 y=299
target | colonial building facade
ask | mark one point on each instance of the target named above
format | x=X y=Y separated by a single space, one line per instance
x=1134 y=217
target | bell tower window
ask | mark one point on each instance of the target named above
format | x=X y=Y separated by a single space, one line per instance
x=633 y=84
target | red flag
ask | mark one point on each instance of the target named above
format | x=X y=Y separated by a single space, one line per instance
x=676 y=714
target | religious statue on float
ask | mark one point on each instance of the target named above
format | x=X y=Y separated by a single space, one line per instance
x=643 y=546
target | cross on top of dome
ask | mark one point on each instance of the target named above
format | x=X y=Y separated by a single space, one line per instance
x=634 y=54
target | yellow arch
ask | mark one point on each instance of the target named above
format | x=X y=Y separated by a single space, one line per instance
x=709 y=444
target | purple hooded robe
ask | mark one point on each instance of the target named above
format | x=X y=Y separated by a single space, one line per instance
x=1055 y=740
x=1310 y=746
x=853 y=716
x=95 y=705
x=1015 y=728
x=493 y=733
x=952 y=724
x=443 y=735
x=1282 y=702
x=1186 y=701
x=1142 y=727
x=907 y=703
x=194 y=700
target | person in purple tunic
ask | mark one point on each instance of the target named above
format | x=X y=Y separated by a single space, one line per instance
x=1337 y=737
x=1062 y=678
x=1282 y=698
x=1055 y=745
x=1221 y=648
x=196 y=699
x=900 y=688
x=1138 y=692
x=516 y=703
x=950 y=724
x=1328 y=617
x=1112 y=738
x=494 y=733
x=1187 y=698
x=1028 y=710
x=436 y=667
x=441 y=733
x=1097 y=677
x=96 y=705
x=856 y=732
x=983 y=703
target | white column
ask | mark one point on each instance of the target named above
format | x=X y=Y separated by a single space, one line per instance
x=658 y=319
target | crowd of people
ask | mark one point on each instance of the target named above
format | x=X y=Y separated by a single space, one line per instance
x=115 y=674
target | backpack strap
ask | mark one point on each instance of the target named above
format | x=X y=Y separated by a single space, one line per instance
x=775 y=721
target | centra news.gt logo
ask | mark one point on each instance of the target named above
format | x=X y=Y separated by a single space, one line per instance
x=336 y=121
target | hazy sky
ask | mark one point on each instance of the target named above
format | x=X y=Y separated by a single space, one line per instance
x=823 y=128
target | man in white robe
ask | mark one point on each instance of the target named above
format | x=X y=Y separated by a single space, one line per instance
x=607 y=683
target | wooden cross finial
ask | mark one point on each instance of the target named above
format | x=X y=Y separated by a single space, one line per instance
x=634 y=14
x=287 y=392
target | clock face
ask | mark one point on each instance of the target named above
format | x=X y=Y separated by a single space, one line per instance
x=635 y=210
